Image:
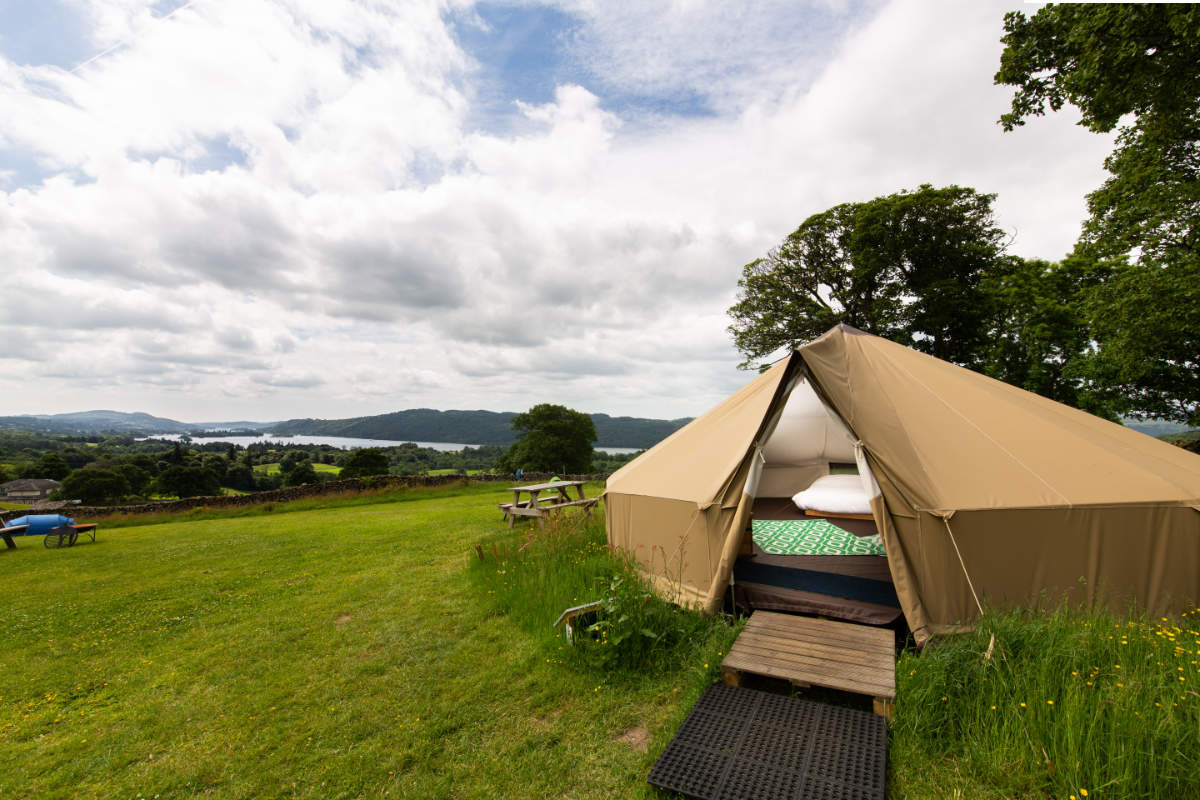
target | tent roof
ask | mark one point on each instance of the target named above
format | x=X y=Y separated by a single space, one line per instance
x=697 y=461
x=954 y=439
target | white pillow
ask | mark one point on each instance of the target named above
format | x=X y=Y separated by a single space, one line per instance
x=837 y=494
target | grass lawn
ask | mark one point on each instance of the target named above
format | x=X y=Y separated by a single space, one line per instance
x=273 y=468
x=335 y=652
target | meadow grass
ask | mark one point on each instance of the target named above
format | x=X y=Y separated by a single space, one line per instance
x=272 y=468
x=330 y=652
x=1069 y=704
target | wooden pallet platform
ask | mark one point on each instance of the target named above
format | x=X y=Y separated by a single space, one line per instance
x=817 y=652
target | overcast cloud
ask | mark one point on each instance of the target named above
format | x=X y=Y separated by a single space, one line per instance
x=262 y=209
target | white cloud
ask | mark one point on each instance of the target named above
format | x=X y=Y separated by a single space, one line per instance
x=722 y=54
x=281 y=209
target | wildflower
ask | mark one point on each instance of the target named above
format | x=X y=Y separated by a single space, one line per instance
x=1083 y=792
x=1022 y=705
x=1049 y=702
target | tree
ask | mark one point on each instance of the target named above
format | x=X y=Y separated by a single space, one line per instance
x=177 y=455
x=76 y=458
x=188 y=481
x=367 y=461
x=300 y=473
x=95 y=486
x=48 y=465
x=1146 y=321
x=1106 y=60
x=292 y=458
x=239 y=476
x=905 y=266
x=145 y=461
x=138 y=478
x=1135 y=69
x=1038 y=334
x=551 y=438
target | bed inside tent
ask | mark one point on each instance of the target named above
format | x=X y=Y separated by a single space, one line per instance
x=812 y=545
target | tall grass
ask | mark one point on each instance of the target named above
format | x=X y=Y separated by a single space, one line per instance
x=534 y=575
x=1069 y=704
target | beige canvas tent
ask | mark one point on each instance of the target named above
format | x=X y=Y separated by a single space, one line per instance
x=981 y=492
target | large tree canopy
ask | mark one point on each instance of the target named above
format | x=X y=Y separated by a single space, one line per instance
x=552 y=438
x=1134 y=68
x=184 y=481
x=95 y=486
x=364 y=462
x=1037 y=330
x=906 y=266
x=1108 y=60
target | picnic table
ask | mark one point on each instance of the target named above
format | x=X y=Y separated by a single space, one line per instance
x=7 y=533
x=538 y=507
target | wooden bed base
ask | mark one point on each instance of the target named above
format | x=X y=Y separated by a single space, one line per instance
x=835 y=515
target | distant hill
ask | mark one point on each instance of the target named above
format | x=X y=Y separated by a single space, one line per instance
x=1155 y=427
x=473 y=427
x=85 y=422
x=414 y=425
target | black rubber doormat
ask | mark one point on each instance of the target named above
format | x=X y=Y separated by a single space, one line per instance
x=742 y=744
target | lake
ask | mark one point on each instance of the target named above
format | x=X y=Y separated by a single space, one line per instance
x=344 y=442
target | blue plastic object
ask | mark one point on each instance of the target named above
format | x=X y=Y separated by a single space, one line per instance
x=39 y=524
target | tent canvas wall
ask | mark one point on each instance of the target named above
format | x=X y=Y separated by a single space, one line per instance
x=980 y=490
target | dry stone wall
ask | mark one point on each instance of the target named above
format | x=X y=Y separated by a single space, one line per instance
x=82 y=513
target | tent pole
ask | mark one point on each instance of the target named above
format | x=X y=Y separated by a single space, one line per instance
x=733 y=543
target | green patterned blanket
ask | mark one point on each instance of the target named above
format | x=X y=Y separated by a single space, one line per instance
x=812 y=537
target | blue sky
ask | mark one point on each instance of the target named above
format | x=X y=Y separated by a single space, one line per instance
x=280 y=208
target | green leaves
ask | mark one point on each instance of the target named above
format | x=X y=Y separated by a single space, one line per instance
x=1107 y=60
x=554 y=438
x=1138 y=65
x=905 y=266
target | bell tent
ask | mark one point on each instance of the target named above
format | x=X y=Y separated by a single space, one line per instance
x=980 y=491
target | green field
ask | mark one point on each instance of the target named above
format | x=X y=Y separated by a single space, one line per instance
x=326 y=653
x=273 y=468
x=359 y=646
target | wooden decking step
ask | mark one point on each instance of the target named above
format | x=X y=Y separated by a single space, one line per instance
x=817 y=652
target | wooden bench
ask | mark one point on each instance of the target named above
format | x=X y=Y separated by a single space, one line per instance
x=66 y=535
x=538 y=508
x=817 y=652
